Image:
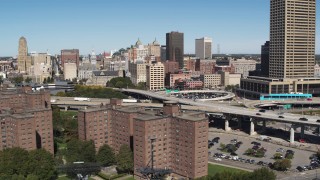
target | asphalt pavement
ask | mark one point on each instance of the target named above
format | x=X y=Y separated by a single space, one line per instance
x=301 y=157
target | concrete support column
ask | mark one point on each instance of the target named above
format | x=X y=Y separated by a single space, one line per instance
x=302 y=131
x=264 y=124
x=66 y=108
x=291 y=134
x=252 y=132
x=226 y=125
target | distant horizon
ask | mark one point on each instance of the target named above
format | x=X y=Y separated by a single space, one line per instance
x=239 y=27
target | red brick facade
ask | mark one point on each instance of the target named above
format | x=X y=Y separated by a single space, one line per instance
x=181 y=138
x=26 y=119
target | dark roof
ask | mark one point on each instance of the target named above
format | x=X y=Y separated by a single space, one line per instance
x=106 y=73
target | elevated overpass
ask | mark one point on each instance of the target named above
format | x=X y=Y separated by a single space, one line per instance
x=230 y=111
x=227 y=95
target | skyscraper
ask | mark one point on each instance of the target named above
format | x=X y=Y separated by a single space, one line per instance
x=175 y=47
x=292 y=38
x=22 y=54
x=265 y=59
x=203 y=48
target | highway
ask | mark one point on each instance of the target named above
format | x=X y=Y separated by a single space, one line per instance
x=268 y=115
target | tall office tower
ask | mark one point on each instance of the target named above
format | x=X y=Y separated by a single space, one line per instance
x=70 y=56
x=203 y=48
x=175 y=47
x=265 y=59
x=22 y=54
x=292 y=38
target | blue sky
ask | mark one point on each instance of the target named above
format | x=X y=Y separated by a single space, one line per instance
x=239 y=26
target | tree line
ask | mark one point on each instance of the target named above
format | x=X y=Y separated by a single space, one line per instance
x=93 y=92
x=20 y=164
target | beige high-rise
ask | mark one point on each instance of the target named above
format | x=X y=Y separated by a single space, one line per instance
x=292 y=38
x=24 y=62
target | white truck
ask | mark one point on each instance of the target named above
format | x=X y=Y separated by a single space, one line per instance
x=81 y=99
x=129 y=100
x=53 y=100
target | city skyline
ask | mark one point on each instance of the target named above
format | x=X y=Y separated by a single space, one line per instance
x=238 y=28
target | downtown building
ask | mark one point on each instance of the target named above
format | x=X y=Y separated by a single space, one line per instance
x=203 y=48
x=25 y=119
x=175 y=47
x=180 y=137
x=291 y=52
x=70 y=56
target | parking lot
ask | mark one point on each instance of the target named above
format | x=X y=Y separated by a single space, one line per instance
x=301 y=157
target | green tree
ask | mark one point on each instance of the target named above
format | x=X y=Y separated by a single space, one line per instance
x=263 y=174
x=141 y=85
x=78 y=150
x=32 y=177
x=222 y=146
x=28 y=80
x=277 y=156
x=41 y=163
x=289 y=156
x=282 y=165
x=126 y=82
x=106 y=156
x=13 y=161
x=17 y=80
x=17 y=177
x=125 y=159
x=120 y=84
x=260 y=152
x=249 y=152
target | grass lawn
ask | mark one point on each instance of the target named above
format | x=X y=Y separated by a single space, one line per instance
x=68 y=114
x=214 y=168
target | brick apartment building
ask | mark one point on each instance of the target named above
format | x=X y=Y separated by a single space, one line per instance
x=25 y=119
x=180 y=138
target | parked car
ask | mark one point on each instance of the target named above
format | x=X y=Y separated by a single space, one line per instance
x=255 y=147
x=253 y=142
x=260 y=163
x=262 y=110
x=303 y=119
x=258 y=114
x=300 y=169
x=302 y=140
x=234 y=141
x=233 y=154
x=289 y=151
x=280 y=117
x=217 y=159
x=318 y=120
x=280 y=150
